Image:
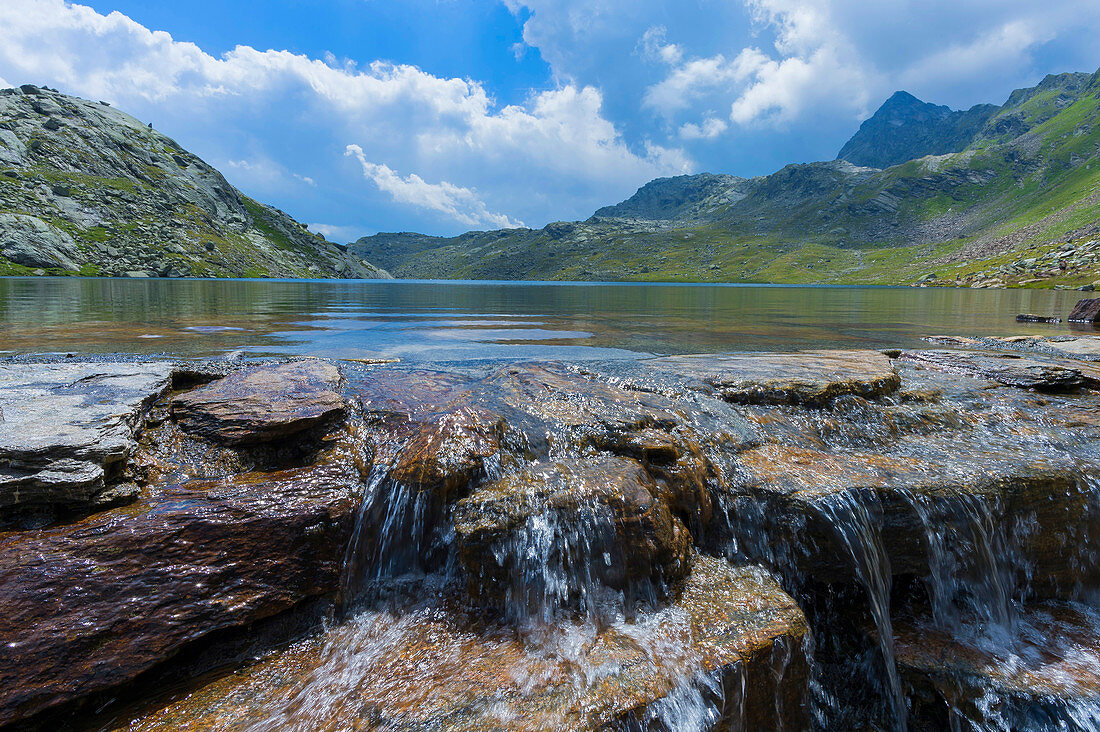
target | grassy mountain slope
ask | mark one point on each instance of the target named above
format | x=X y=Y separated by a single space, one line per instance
x=86 y=189
x=1019 y=204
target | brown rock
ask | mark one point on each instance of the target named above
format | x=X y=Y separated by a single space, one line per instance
x=442 y=667
x=261 y=404
x=1086 y=311
x=551 y=533
x=89 y=606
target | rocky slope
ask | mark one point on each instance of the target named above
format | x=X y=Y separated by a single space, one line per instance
x=1011 y=197
x=87 y=189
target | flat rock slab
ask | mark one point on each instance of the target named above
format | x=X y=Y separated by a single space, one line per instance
x=1010 y=370
x=262 y=404
x=66 y=430
x=87 y=606
x=1043 y=675
x=441 y=667
x=808 y=377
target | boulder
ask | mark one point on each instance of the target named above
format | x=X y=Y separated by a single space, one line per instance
x=1086 y=311
x=67 y=430
x=731 y=651
x=89 y=606
x=30 y=241
x=811 y=378
x=262 y=404
x=555 y=533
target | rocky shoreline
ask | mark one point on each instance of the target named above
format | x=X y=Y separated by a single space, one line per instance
x=831 y=539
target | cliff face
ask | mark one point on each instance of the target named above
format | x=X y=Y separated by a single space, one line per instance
x=994 y=195
x=85 y=188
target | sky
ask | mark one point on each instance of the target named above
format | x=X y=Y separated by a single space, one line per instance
x=441 y=116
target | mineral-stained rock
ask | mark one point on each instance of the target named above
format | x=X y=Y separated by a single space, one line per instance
x=1086 y=311
x=1044 y=673
x=262 y=404
x=88 y=606
x=66 y=430
x=733 y=636
x=810 y=377
x=1010 y=370
x=551 y=533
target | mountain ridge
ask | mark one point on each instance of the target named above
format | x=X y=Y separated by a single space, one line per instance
x=1022 y=186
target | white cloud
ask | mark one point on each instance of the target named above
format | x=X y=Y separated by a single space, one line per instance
x=708 y=129
x=460 y=204
x=554 y=155
x=334 y=232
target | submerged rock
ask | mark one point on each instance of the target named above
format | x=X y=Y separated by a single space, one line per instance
x=262 y=404
x=729 y=654
x=89 y=606
x=1010 y=370
x=67 y=430
x=810 y=377
x=1041 y=673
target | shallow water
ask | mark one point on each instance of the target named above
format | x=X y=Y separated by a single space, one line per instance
x=438 y=321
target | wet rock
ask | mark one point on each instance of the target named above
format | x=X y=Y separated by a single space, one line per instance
x=262 y=404
x=1029 y=318
x=1042 y=673
x=1086 y=311
x=89 y=606
x=446 y=452
x=804 y=511
x=731 y=649
x=1010 y=370
x=555 y=532
x=67 y=430
x=810 y=377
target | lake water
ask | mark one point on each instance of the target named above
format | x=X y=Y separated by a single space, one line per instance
x=420 y=320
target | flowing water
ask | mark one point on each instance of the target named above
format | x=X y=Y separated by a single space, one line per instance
x=921 y=515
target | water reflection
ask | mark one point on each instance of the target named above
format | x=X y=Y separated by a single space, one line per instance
x=463 y=320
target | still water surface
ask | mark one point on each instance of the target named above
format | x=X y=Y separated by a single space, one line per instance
x=438 y=320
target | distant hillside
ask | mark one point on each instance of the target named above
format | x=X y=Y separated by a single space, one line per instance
x=87 y=189
x=1010 y=197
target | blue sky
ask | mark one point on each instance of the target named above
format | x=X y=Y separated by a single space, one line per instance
x=440 y=116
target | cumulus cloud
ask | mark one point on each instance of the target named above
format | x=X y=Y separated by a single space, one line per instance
x=461 y=204
x=554 y=155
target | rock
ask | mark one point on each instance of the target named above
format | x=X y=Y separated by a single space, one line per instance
x=549 y=535
x=810 y=377
x=803 y=510
x=1028 y=318
x=1010 y=370
x=89 y=606
x=262 y=404
x=732 y=649
x=30 y=241
x=1045 y=675
x=1086 y=311
x=67 y=430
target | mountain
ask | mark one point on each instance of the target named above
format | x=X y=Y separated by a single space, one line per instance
x=1010 y=195
x=905 y=128
x=86 y=189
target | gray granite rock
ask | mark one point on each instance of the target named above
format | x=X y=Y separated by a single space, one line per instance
x=66 y=430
